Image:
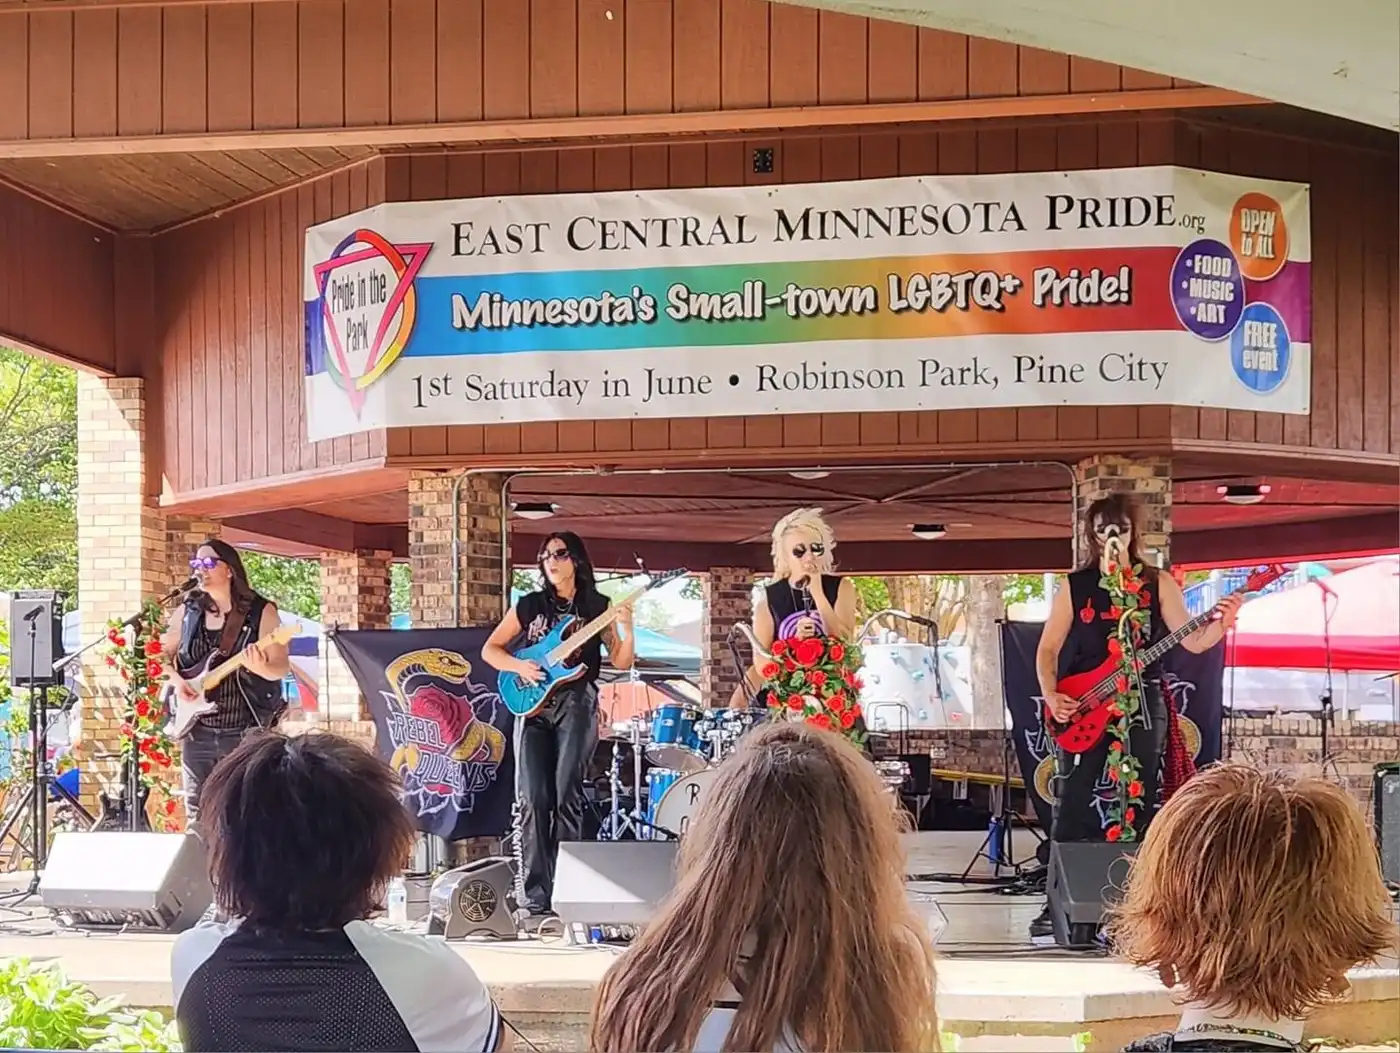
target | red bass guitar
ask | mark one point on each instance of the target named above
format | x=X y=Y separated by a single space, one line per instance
x=1095 y=688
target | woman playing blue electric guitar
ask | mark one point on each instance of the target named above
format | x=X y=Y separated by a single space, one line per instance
x=554 y=743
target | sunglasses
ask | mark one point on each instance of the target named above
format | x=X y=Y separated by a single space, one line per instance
x=204 y=562
x=816 y=548
x=555 y=555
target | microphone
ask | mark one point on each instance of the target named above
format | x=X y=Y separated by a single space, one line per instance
x=1327 y=590
x=33 y=614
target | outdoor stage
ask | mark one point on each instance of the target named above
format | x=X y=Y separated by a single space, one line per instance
x=992 y=982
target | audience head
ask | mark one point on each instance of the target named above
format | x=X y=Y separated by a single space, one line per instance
x=1255 y=892
x=793 y=864
x=304 y=833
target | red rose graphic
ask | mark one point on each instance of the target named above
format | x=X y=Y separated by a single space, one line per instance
x=1114 y=832
x=451 y=713
x=809 y=651
x=848 y=719
x=1134 y=790
x=794 y=702
x=152 y=648
x=816 y=678
x=837 y=652
x=769 y=670
x=780 y=647
x=153 y=668
x=143 y=708
x=821 y=720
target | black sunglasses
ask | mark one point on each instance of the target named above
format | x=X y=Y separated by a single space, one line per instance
x=556 y=555
x=817 y=549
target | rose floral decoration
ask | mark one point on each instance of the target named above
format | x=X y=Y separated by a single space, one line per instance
x=1130 y=606
x=816 y=680
x=135 y=652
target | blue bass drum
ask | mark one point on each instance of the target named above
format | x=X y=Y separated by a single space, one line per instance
x=659 y=780
x=675 y=741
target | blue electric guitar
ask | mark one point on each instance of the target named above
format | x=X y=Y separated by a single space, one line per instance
x=551 y=654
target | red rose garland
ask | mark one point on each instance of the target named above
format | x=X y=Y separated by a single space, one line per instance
x=816 y=680
x=1130 y=607
x=136 y=653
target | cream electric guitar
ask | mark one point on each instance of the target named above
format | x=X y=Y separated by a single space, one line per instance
x=186 y=712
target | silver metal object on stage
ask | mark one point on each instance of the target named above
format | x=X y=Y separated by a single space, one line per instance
x=473 y=901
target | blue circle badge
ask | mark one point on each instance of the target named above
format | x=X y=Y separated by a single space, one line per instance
x=1207 y=289
x=1259 y=348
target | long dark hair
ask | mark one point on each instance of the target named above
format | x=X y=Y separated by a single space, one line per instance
x=1117 y=508
x=241 y=592
x=585 y=581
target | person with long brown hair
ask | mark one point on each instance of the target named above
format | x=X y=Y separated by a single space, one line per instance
x=789 y=927
x=1253 y=894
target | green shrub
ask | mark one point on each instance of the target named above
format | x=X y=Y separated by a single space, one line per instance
x=40 y=1008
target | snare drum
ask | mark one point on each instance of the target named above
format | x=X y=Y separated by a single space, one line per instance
x=682 y=799
x=659 y=780
x=675 y=741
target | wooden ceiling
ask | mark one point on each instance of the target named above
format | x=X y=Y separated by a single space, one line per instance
x=138 y=192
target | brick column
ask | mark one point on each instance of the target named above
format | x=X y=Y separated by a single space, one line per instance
x=1147 y=479
x=354 y=595
x=726 y=598
x=122 y=552
x=480 y=551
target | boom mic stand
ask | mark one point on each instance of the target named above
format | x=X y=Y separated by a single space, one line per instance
x=1327 y=712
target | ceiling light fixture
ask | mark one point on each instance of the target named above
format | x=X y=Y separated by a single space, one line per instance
x=1243 y=493
x=928 y=531
x=811 y=476
x=533 y=509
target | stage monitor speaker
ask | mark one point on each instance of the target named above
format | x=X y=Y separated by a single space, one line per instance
x=137 y=880
x=1084 y=878
x=612 y=882
x=1385 y=797
x=32 y=657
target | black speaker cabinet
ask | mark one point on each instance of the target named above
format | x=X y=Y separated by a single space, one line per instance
x=144 y=881
x=1084 y=879
x=1385 y=797
x=36 y=637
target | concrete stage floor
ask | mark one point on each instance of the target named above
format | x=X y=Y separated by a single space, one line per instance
x=993 y=983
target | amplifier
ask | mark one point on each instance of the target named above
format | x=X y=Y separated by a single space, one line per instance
x=1083 y=879
x=119 y=879
x=1385 y=799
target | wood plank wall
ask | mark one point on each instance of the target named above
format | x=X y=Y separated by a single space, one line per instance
x=229 y=295
x=1356 y=309
x=228 y=67
x=56 y=287
x=228 y=292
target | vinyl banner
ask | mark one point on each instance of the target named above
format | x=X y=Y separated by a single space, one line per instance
x=1112 y=287
x=440 y=725
x=1193 y=682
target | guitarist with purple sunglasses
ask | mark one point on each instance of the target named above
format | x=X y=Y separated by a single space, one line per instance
x=226 y=615
x=1076 y=638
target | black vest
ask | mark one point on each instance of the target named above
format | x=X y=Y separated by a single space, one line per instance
x=245 y=700
x=1087 y=644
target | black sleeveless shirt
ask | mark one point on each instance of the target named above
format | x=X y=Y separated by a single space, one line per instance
x=789 y=605
x=1087 y=644
x=245 y=700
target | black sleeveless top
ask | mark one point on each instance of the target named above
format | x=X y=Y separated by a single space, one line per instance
x=789 y=605
x=245 y=700
x=1087 y=644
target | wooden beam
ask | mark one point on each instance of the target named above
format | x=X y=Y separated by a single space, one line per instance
x=639 y=125
x=1315 y=539
x=297 y=532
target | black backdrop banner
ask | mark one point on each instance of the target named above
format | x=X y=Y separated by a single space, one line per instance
x=1194 y=683
x=440 y=725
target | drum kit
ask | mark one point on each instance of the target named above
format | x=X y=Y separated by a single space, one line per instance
x=683 y=745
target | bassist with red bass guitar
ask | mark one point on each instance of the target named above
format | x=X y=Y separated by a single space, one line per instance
x=1080 y=635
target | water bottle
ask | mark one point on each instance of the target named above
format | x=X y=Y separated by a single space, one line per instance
x=398 y=902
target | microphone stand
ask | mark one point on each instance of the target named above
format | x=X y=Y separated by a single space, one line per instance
x=1326 y=698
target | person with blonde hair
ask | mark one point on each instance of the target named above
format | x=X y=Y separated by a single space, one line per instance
x=1253 y=894
x=805 y=598
x=789 y=927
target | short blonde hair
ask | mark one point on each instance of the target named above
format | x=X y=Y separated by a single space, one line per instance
x=1257 y=891
x=807 y=521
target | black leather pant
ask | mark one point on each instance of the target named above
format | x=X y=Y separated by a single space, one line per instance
x=1076 y=818
x=200 y=752
x=552 y=753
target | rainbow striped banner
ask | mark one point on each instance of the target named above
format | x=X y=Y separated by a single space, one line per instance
x=1112 y=287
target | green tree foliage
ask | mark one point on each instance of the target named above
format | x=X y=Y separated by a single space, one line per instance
x=295 y=584
x=400 y=578
x=38 y=474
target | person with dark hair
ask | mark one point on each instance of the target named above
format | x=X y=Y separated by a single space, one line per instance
x=554 y=746
x=305 y=834
x=225 y=614
x=1085 y=626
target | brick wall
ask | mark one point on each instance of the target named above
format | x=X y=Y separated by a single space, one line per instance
x=482 y=547
x=1148 y=479
x=354 y=595
x=726 y=598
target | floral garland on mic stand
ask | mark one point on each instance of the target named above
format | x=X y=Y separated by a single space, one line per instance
x=1130 y=602
x=815 y=680
x=134 y=650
